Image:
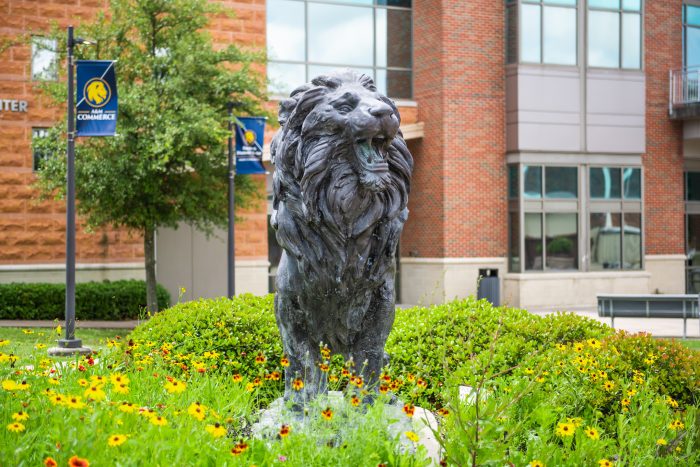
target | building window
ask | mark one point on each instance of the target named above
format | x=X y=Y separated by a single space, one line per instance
x=44 y=59
x=546 y=31
x=548 y=225
x=38 y=156
x=691 y=36
x=615 y=33
x=309 y=38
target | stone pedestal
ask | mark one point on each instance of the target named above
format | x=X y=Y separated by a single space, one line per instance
x=68 y=351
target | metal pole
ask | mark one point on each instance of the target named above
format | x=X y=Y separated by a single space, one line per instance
x=231 y=207
x=70 y=341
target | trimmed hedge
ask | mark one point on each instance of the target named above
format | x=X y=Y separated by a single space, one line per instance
x=106 y=300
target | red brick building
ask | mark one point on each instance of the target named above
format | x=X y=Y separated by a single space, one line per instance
x=547 y=144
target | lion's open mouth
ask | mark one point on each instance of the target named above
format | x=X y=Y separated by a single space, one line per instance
x=372 y=153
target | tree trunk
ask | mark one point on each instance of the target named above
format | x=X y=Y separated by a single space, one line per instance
x=149 y=247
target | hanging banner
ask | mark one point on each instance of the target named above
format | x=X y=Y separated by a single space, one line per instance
x=250 y=132
x=96 y=112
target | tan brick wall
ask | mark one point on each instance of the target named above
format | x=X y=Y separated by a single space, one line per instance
x=33 y=232
x=663 y=162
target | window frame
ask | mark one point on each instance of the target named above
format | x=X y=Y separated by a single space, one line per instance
x=307 y=64
x=619 y=11
x=542 y=4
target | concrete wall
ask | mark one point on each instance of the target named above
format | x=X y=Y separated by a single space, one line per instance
x=667 y=273
x=187 y=259
x=56 y=273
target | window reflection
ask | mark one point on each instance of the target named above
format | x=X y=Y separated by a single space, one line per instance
x=603 y=39
x=285 y=30
x=606 y=239
x=44 y=59
x=562 y=240
x=532 y=180
x=631 y=40
x=632 y=183
x=632 y=241
x=340 y=34
x=692 y=192
x=284 y=77
x=530 y=28
x=561 y=182
x=514 y=241
x=559 y=44
x=605 y=183
x=533 y=241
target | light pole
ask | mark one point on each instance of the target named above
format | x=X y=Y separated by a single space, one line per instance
x=70 y=345
x=231 y=206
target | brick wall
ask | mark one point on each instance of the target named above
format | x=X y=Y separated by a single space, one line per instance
x=663 y=162
x=458 y=199
x=33 y=232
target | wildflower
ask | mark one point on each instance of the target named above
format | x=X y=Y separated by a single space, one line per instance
x=216 y=430
x=661 y=442
x=76 y=461
x=579 y=347
x=625 y=402
x=260 y=359
x=159 y=421
x=333 y=378
x=237 y=378
x=175 y=386
x=561 y=347
x=386 y=378
x=565 y=429
x=298 y=384
x=676 y=425
x=98 y=380
x=116 y=440
x=421 y=383
x=9 y=385
x=54 y=381
x=576 y=421
x=284 y=431
x=117 y=379
x=121 y=389
x=83 y=382
x=443 y=412
x=326 y=352
x=631 y=392
x=239 y=448
x=148 y=413
x=197 y=410
x=594 y=343
x=540 y=379
x=383 y=388
x=671 y=402
x=409 y=409
x=608 y=385
x=344 y=373
x=284 y=361
x=410 y=377
x=411 y=436
x=529 y=371
x=603 y=374
x=358 y=381
x=4 y=342
x=15 y=427
x=536 y=463
x=95 y=393
x=127 y=407
x=40 y=346
x=74 y=402
x=327 y=414
x=355 y=401
x=275 y=376
x=592 y=433
x=20 y=416
x=56 y=399
x=27 y=331
x=50 y=462
x=605 y=463
x=323 y=367
x=250 y=387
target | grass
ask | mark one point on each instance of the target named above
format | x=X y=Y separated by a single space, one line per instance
x=35 y=340
x=691 y=343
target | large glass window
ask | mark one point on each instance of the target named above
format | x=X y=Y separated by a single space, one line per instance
x=691 y=35
x=615 y=33
x=306 y=38
x=548 y=31
x=44 y=59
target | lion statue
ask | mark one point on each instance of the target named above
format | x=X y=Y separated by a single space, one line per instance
x=341 y=184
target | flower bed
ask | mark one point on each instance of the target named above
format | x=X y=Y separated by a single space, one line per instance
x=186 y=386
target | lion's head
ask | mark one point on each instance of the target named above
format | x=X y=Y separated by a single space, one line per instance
x=342 y=166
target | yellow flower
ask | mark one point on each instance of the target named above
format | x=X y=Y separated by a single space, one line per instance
x=216 y=430
x=159 y=421
x=239 y=448
x=175 y=386
x=355 y=401
x=298 y=384
x=443 y=412
x=576 y=421
x=197 y=410
x=528 y=371
x=27 y=331
x=284 y=431
x=594 y=343
x=74 y=402
x=676 y=425
x=237 y=378
x=98 y=380
x=592 y=433
x=412 y=436
x=579 y=347
x=565 y=429
x=83 y=382
x=561 y=347
x=116 y=440
x=57 y=330
x=9 y=385
x=540 y=379
x=250 y=387
x=4 y=342
x=625 y=402
x=605 y=463
x=23 y=386
x=333 y=378
x=40 y=346
x=608 y=385
x=260 y=359
x=671 y=402
x=15 y=427
x=284 y=361
x=95 y=393
x=121 y=389
x=127 y=407
x=536 y=463
x=117 y=379
x=631 y=392
x=57 y=399
x=661 y=442
x=54 y=381
x=327 y=414
x=20 y=416
x=409 y=410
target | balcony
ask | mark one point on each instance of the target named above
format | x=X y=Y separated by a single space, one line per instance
x=684 y=99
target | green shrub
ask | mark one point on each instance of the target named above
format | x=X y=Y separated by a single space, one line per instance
x=93 y=300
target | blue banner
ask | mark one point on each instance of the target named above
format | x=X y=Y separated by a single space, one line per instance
x=250 y=132
x=96 y=112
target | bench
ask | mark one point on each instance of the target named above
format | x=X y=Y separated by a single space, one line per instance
x=648 y=306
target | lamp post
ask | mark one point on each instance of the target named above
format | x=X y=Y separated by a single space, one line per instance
x=70 y=345
x=231 y=206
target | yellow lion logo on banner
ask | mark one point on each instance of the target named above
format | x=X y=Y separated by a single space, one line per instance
x=97 y=93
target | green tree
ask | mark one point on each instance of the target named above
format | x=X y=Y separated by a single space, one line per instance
x=168 y=162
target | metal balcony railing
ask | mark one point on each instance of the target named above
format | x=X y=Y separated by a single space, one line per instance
x=685 y=88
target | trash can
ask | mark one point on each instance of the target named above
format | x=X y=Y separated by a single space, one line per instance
x=489 y=287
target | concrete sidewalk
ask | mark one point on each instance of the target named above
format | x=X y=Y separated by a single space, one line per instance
x=17 y=323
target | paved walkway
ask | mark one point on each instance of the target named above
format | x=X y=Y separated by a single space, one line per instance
x=16 y=323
